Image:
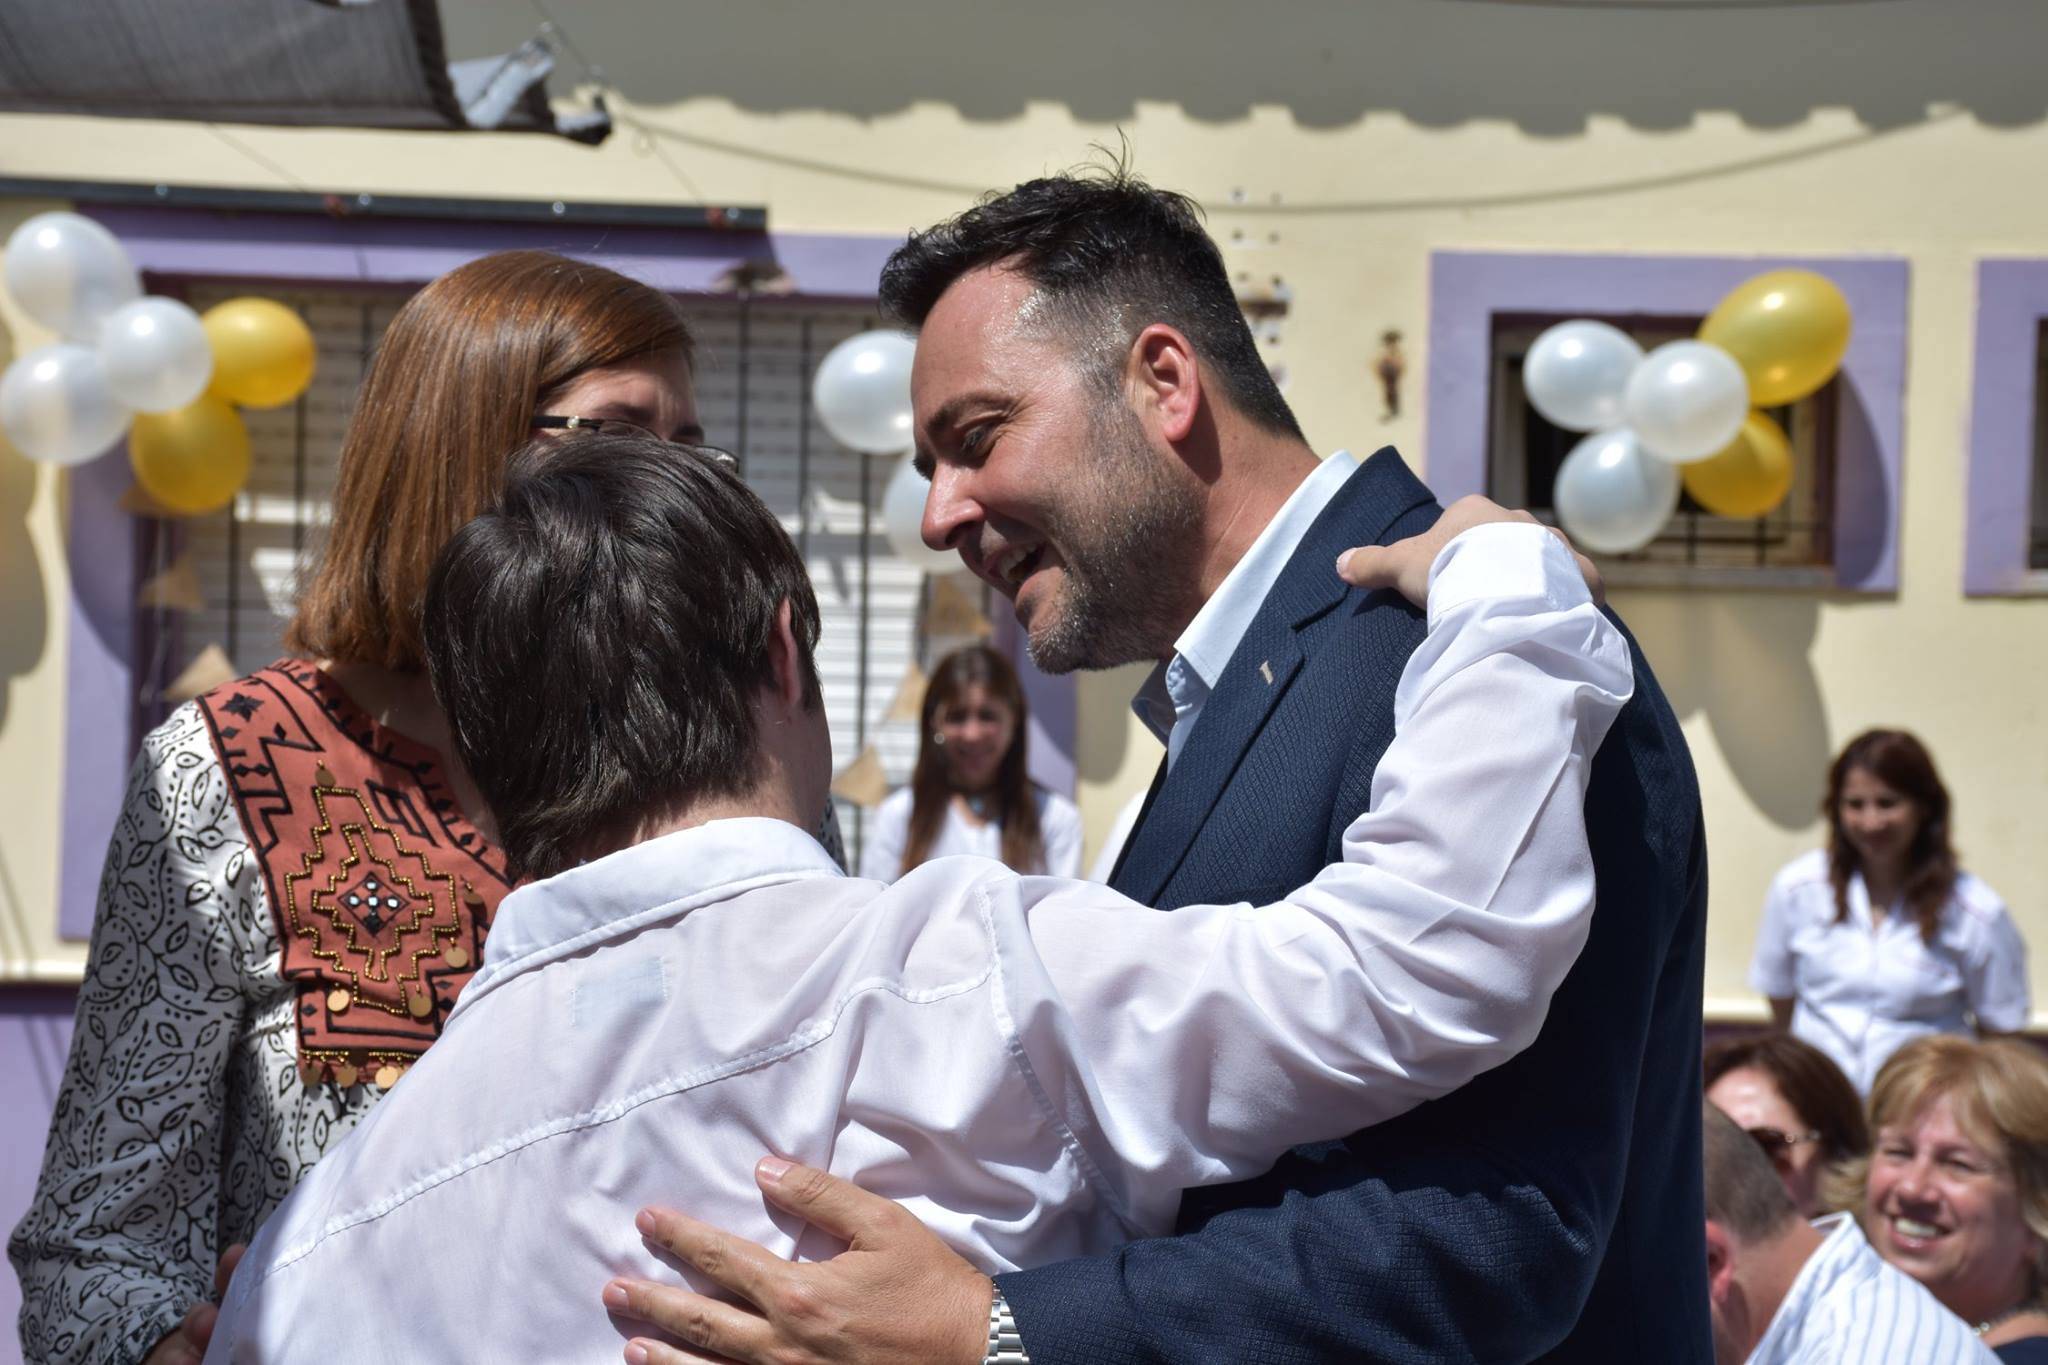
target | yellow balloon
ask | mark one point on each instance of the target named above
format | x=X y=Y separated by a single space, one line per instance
x=1749 y=477
x=192 y=460
x=263 y=352
x=1788 y=329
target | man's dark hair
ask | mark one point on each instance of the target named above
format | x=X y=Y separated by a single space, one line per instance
x=1744 y=1194
x=599 y=636
x=1111 y=255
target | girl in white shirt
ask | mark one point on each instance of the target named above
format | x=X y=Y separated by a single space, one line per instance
x=1881 y=937
x=969 y=792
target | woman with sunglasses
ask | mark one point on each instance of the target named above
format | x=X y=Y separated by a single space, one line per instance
x=1882 y=937
x=1955 y=1189
x=1795 y=1104
x=301 y=880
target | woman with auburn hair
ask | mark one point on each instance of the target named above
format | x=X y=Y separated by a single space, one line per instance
x=969 y=792
x=1795 y=1104
x=1881 y=937
x=300 y=881
x=1955 y=1189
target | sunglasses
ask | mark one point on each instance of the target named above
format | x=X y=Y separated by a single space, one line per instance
x=1778 y=1144
x=613 y=426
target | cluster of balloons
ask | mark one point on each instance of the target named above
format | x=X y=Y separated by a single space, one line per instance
x=144 y=366
x=1688 y=413
x=862 y=395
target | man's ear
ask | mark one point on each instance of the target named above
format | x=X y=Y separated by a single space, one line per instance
x=787 y=660
x=1720 y=1263
x=1167 y=380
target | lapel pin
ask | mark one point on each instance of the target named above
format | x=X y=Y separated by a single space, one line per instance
x=1266 y=671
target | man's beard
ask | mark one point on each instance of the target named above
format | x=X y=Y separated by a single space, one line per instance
x=1130 y=541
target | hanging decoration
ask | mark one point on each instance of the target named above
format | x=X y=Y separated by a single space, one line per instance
x=951 y=615
x=148 y=367
x=862 y=781
x=862 y=392
x=1686 y=413
x=908 y=703
x=211 y=668
x=175 y=589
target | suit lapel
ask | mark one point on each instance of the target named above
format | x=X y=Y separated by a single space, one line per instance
x=1267 y=659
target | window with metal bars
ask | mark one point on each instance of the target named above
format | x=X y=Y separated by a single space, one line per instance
x=755 y=360
x=1794 y=541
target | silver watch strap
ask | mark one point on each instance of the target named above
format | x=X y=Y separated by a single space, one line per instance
x=1005 y=1344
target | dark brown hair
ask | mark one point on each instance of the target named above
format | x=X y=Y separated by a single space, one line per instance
x=452 y=392
x=1112 y=256
x=931 y=787
x=598 y=641
x=1902 y=763
x=1810 y=1082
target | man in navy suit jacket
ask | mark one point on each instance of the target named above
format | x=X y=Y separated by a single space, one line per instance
x=1107 y=448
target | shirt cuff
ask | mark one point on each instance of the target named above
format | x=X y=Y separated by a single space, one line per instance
x=1505 y=561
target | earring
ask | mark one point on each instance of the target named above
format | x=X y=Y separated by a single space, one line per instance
x=938 y=739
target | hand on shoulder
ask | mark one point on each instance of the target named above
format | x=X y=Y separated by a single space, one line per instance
x=1404 y=566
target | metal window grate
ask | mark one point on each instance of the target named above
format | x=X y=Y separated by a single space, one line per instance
x=755 y=358
x=1525 y=452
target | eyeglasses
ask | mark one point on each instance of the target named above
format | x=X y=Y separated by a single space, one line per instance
x=1778 y=1144
x=613 y=426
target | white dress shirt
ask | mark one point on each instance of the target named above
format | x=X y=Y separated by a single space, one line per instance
x=1174 y=693
x=1863 y=988
x=1059 y=829
x=1035 y=1067
x=1849 y=1306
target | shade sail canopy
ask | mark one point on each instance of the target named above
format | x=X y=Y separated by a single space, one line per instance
x=375 y=64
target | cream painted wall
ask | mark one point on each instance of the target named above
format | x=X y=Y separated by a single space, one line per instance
x=1337 y=151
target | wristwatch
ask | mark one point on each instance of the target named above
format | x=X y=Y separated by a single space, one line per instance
x=1005 y=1343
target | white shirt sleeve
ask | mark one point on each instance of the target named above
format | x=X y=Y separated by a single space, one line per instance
x=1772 y=971
x=1198 y=1046
x=1995 y=972
x=882 y=839
x=1060 y=827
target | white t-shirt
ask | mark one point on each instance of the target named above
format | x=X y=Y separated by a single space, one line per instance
x=1059 y=827
x=1864 y=989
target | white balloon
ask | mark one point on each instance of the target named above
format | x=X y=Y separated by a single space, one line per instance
x=1687 y=400
x=69 y=273
x=1576 y=373
x=1612 y=496
x=862 y=391
x=156 y=354
x=55 y=405
x=903 y=513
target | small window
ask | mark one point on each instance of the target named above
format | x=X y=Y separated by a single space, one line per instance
x=1792 y=544
x=2037 y=523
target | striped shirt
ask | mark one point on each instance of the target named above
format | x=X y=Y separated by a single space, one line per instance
x=1849 y=1306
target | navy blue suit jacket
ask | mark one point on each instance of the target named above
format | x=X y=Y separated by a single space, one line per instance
x=1552 y=1208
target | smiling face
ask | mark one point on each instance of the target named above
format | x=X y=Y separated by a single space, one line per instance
x=977 y=729
x=1749 y=1096
x=1878 y=820
x=1943 y=1207
x=1050 y=489
x=653 y=392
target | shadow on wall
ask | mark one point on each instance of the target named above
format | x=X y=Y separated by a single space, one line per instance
x=24 y=616
x=1543 y=65
x=1743 y=661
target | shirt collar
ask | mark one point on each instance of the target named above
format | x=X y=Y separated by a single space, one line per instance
x=1218 y=628
x=662 y=878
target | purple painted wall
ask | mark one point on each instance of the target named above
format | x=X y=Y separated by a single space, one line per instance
x=35 y=1035
x=1467 y=289
x=2012 y=300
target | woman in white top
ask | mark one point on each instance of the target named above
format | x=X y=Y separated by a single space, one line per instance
x=969 y=792
x=1881 y=937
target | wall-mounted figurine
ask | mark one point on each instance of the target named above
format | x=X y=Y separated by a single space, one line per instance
x=1390 y=366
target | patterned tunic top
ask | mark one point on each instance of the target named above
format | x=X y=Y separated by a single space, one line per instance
x=291 y=902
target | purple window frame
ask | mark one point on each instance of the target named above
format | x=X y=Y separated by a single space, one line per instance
x=103 y=673
x=2012 y=303
x=1468 y=288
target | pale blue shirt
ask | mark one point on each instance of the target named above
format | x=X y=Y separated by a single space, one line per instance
x=1849 y=1306
x=1173 y=695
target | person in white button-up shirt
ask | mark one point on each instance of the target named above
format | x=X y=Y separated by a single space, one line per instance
x=1880 y=937
x=1036 y=1067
